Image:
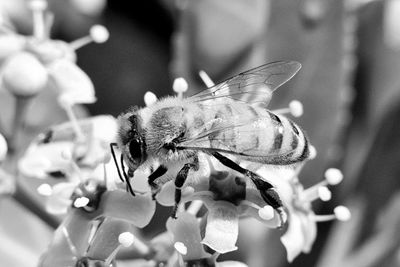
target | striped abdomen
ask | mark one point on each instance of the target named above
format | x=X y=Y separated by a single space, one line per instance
x=259 y=135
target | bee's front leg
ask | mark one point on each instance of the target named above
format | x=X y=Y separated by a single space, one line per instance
x=179 y=182
x=160 y=171
x=267 y=190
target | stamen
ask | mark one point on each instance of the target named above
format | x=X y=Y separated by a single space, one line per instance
x=81 y=202
x=333 y=176
x=126 y=239
x=97 y=33
x=206 y=79
x=45 y=190
x=324 y=193
x=181 y=248
x=313 y=152
x=317 y=192
x=180 y=86
x=150 y=98
x=341 y=213
x=74 y=122
x=39 y=26
x=295 y=108
x=266 y=213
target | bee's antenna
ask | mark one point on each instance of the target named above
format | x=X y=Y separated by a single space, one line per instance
x=112 y=145
x=128 y=184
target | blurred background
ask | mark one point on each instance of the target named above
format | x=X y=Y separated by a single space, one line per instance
x=349 y=86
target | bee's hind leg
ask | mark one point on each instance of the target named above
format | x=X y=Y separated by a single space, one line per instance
x=267 y=190
x=179 y=182
x=160 y=171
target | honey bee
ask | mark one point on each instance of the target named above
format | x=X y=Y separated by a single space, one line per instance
x=229 y=121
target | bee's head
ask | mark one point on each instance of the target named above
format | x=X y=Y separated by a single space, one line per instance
x=131 y=139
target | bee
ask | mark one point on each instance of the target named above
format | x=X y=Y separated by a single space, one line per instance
x=229 y=121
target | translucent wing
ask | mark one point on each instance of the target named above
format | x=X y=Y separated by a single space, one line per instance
x=260 y=138
x=252 y=86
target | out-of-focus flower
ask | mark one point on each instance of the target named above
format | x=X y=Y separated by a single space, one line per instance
x=30 y=63
x=58 y=156
x=54 y=151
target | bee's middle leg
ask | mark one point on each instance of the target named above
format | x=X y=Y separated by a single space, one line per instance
x=267 y=190
x=160 y=171
x=179 y=182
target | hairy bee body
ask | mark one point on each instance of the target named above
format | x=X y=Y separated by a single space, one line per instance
x=228 y=122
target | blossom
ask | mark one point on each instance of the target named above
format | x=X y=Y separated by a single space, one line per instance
x=227 y=196
x=184 y=237
x=57 y=157
x=31 y=63
x=302 y=230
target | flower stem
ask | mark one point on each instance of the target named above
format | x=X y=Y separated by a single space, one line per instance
x=75 y=125
x=21 y=107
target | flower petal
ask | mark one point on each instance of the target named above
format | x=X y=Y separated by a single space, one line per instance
x=9 y=44
x=186 y=229
x=39 y=160
x=60 y=199
x=231 y=264
x=309 y=231
x=74 y=85
x=137 y=210
x=293 y=239
x=105 y=240
x=222 y=228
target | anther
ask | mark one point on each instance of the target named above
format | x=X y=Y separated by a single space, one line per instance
x=206 y=79
x=180 y=86
x=150 y=98
x=333 y=176
x=45 y=190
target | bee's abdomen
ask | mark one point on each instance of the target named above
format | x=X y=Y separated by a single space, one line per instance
x=290 y=144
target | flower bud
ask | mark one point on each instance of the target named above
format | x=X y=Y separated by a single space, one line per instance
x=24 y=75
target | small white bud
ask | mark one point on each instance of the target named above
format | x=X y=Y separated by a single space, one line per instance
x=38 y=5
x=99 y=33
x=3 y=148
x=126 y=239
x=181 y=248
x=180 y=85
x=333 y=176
x=266 y=213
x=150 y=98
x=342 y=213
x=45 y=190
x=81 y=202
x=324 y=193
x=296 y=108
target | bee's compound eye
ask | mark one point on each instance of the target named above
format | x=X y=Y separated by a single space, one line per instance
x=135 y=149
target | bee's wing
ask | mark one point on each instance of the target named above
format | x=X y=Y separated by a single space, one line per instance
x=252 y=86
x=260 y=137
